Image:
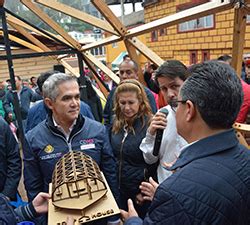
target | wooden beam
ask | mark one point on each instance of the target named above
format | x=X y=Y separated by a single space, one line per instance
x=25 y=25
x=76 y=73
x=240 y=17
x=195 y=12
x=105 y=41
x=133 y=55
x=179 y=17
x=32 y=29
x=44 y=17
x=23 y=43
x=148 y=53
x=102 y=67
x=85 y=17
x=110 y=16
x=95 y=74
x=26 y=34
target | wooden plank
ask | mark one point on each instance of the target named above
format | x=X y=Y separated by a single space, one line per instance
x=25 y=25
x=105 y=41
x=102 y=94
x=196 y=12
x=110 y=16
x=32 y=29
x=44 y=17
x=95 y=74
x=179 y=17
x=102 y=67
x=68 y=67
x=240 y=16
x=133 y=55
x=85 y=17
x=148 y=53
x=23 y=43
x=25 y=33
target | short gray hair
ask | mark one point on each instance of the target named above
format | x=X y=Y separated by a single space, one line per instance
x=50 y=86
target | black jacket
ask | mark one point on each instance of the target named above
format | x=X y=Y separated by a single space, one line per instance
x=10 y=161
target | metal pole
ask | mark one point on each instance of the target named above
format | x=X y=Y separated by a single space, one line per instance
x=82 y=78
x=122 y=10
x=12 y=75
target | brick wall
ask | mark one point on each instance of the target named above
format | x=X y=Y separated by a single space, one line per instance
x=217 y=40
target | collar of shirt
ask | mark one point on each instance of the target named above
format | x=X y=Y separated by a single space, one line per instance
x=184 y=147
x=67 y=134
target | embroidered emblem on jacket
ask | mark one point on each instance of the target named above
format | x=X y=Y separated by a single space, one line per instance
x=48 y=149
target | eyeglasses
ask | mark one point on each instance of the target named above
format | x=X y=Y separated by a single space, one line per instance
x=174 y=104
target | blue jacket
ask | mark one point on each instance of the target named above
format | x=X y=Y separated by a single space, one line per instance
x=108 y=110
x=26 y=96
x=130 y=162
x=39 y=111
x=46 y=145
x=211 y=186
x=10 y=161
x=8 y=216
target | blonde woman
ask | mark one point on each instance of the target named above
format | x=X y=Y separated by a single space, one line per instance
x=132 y=116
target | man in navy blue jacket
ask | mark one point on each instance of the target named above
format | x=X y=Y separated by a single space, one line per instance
x=211 y=182
x=64 y=130
x=38 y=112
x=10 y=162
x=25 y=97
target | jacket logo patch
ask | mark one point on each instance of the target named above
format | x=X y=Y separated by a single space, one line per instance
x=48 y=149
x=87 y=144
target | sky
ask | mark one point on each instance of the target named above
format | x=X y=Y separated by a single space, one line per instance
x=128 y=8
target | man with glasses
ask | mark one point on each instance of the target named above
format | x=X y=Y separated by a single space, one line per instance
x=210 y=184
x=170 y=77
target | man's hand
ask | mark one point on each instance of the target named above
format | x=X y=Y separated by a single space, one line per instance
x=131 y=211
x=148 y=189
x=40 y=202
x=159 y=121
x=139 y=199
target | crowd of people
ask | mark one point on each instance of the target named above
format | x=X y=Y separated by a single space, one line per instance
x=200 y=174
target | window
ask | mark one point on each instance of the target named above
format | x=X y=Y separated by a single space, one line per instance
x=197 y=24
x=114 y=45
x=205 y=22
x=98 y=51
x=193 y=57
x=162 y=32
x=248 y=18
x=154 y=35
x=205 y=55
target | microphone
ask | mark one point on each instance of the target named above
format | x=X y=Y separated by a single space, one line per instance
x=159 y=133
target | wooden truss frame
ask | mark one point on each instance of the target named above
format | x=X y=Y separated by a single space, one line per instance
x=119 y=32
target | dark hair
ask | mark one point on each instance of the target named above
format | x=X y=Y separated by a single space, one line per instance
x=31 y=78
x=125 y=56
x=224 y=58
x=172 y=69
x=130 y=61
x=153 y=66
x=216 y=91
x=18 y=77
x=43 y=77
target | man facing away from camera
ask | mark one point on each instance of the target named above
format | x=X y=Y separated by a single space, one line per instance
x=211 y=182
